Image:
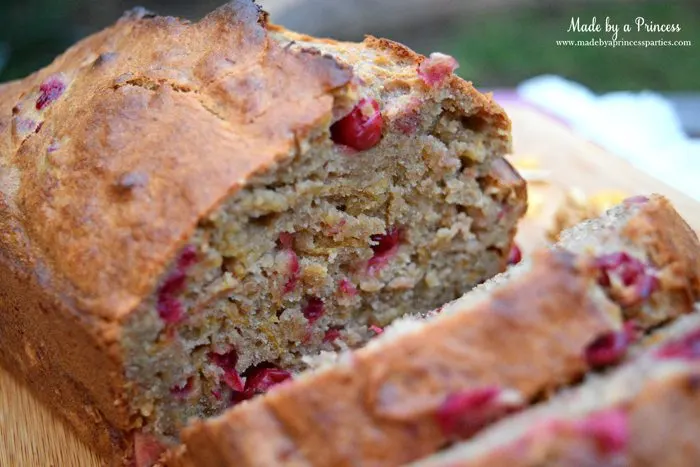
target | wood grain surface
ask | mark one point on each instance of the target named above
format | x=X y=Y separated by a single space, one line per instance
x=31 y=436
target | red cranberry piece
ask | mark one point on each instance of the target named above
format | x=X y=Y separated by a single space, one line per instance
x=688 y=347
x=174 y=284
x=260 y=379
x=331 y=335
x=362 y=128
x=515 y=255
x=233 y=380
x=639 y=199
x=227 y=362
x=606 y=350
x=49 y=91
x=347 y=288
x=627 y=267
x=464 y=413
x=237 y=397
x=611 y=347
x=292 y=273
x=314 y=309
x=287 y=240
x=611 y=262
x=385 y=243
x=385 y=247
x=437 y=68
x=184 y=390
x=632 y=273
x=147 y=449
x=188 y=257
x=170 y=309
x=376 y=329
x=608 y=428
x=216 y=394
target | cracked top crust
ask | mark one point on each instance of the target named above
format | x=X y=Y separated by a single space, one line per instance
x=111 y=154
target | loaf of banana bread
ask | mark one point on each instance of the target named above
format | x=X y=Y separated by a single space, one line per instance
x=647 y=413
x=426 y=382
x=190 y=209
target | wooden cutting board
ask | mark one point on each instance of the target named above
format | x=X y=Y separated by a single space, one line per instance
x=31 y=436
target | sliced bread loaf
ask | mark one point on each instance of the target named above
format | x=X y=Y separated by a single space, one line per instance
x=191 y=207
x=424 y=383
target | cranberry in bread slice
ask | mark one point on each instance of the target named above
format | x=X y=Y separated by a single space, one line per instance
x=645 y=413
x=191 y=208
x=423 y=383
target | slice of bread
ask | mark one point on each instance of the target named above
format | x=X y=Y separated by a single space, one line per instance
x=423 y=383
x=646 y=413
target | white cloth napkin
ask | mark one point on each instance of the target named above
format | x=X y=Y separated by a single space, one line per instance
x=641 y=127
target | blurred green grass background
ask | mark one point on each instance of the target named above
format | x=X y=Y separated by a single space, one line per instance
x=501 y=50
x=496 y=47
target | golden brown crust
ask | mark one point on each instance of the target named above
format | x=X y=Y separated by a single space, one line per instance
x=379 y=407
x=242 y=443
x=34 y=328
x=664 y=426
